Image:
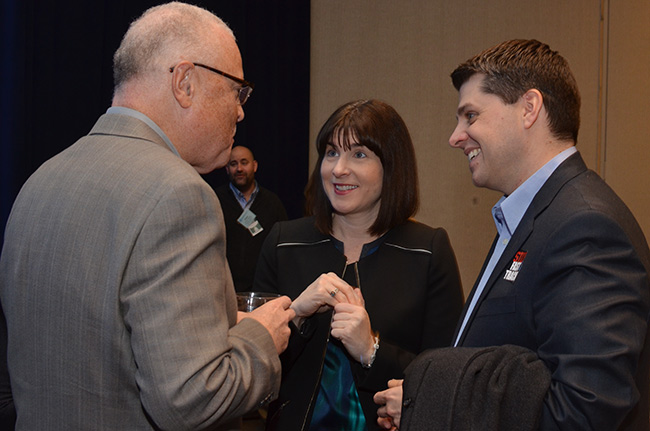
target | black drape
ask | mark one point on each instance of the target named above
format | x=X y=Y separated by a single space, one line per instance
x=56 y=80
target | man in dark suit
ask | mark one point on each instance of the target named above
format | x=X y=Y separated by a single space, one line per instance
x=120 y=308
x=567 y=275
x=250 y=211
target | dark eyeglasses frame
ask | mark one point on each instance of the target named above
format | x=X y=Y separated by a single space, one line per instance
x=244 y=91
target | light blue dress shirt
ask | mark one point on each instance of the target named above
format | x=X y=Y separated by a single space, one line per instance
x=507 y=213
x=241 y=198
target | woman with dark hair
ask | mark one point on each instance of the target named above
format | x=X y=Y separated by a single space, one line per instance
x=371 y=288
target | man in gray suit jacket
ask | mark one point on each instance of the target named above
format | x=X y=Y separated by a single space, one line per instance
x=119 y=304
x=567 y=275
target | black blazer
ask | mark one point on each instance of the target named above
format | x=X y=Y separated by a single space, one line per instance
x=413 y=296
x=579 y=298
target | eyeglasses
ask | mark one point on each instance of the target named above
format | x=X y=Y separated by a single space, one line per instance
x=244 y=91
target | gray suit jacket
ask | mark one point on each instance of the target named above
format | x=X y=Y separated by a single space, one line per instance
x=119 y=303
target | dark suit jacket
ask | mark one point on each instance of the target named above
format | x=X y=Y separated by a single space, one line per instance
x=498 y=388
x=118 y=300
x=579 y=298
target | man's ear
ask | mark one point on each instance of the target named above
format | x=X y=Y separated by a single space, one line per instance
x=183 y=83
x=254 y=165
x=533 y=103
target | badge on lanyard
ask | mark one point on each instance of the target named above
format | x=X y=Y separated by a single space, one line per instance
x=248 y=219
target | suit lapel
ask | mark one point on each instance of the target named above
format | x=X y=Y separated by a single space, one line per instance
x=570 y=168
x=473 y=291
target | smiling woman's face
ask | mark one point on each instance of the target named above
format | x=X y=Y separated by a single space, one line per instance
x=352 y=179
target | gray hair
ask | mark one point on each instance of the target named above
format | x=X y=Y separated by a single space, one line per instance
x=160 y=34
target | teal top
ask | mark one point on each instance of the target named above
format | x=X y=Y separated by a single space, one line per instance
x=337 y=405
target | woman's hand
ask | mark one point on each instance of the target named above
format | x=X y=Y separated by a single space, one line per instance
x=390 y=401
x=325 y=292
x=351 y=325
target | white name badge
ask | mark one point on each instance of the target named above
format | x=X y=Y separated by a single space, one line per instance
x=248 y=219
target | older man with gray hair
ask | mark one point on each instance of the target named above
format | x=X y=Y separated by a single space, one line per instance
x=119 y=303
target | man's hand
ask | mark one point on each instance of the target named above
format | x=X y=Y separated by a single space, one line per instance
x=275 y=315
x=390 y=401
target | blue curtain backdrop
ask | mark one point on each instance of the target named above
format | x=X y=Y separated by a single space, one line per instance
x=56 y=80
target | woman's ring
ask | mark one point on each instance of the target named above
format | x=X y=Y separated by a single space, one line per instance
x=334 y=292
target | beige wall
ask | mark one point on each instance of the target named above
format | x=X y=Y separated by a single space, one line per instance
x=627 y=126
x=403 y=52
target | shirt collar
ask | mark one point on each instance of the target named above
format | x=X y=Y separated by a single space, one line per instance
x=509 y=210
x=240 y=196
x=121 y=110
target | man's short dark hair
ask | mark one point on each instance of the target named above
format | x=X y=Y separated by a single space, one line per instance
x=516 y=66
